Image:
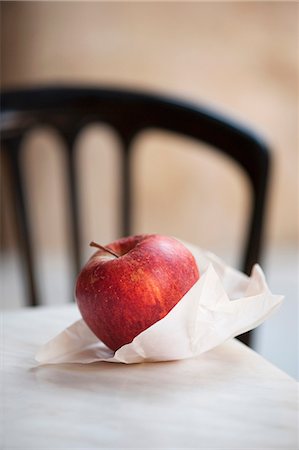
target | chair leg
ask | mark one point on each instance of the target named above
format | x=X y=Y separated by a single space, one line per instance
x=246 y=338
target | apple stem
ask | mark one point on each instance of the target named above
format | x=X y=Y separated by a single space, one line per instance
x=101 y=247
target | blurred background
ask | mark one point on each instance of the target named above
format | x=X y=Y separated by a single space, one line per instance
x=238 y=58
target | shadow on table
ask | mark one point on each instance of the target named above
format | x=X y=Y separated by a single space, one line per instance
x=218 y=366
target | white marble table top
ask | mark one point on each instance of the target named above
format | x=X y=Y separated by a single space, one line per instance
x=228 y=398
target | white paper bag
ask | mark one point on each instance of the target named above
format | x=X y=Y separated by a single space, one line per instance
x=222 y=304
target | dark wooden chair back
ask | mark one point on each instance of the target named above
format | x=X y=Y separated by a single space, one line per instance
x=69 y=109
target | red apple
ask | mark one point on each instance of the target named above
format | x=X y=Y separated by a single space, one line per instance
x=132 y=283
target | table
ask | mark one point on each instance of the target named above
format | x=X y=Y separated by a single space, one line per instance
x=228 y=398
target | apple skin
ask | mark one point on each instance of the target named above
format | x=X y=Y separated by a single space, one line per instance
x=119 y=297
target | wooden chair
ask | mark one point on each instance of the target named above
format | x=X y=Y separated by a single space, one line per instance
x=69 y=109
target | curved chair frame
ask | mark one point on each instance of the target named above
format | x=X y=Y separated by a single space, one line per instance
x=69 y=109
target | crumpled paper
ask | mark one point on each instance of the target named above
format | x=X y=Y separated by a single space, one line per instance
x=222 y=304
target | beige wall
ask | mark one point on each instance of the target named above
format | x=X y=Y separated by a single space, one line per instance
x=239 y=58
